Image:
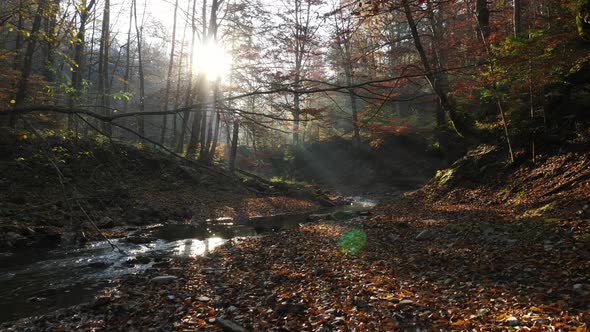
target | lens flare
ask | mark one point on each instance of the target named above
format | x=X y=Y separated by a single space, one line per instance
x=352 y=242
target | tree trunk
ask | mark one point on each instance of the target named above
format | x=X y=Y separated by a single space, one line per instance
x=139 y=32
x=295 y=112
x=103 y=64
x=79 y=58
x=18 y=41
x=213 y=147
x=234 y=146
x=355 y=120
x=430 y=75
x=127 y=75
x=23 y=83
x=482 y=13
x=215 y=137
x=50 y=44
x=517 y=18
x=583 y=19
x=506 y=133
x=189 y=92
x=169 y=77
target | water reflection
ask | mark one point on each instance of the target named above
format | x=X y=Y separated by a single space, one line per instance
x=195 y=247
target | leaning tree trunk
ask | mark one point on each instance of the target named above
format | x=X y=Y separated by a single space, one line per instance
x=430 y=75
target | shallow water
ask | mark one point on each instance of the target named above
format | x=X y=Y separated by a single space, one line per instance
x=35 y=282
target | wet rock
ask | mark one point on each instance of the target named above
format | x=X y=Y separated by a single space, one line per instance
x=139 y=239
x=34 y=299
x=203 y=299
x=228 y=325
x=161 y=280
x=231 y=308
x=139 y=260
x=365 y=213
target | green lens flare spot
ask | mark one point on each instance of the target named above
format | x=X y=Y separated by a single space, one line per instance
x=352 y=242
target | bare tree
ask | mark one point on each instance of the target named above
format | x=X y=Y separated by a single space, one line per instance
x=103 y=64
x=169 y=76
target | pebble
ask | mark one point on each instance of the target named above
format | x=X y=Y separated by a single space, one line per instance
x=406 y=302
x=539 y=321
x=512 y=321
x=203 y=299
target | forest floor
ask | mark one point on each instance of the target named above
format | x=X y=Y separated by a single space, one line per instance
x=476 y=249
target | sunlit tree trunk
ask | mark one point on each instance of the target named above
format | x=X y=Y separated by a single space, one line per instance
x=213 y=148
x=197 y=134
x=189 y=91
x=210 y=111
x=203 y=90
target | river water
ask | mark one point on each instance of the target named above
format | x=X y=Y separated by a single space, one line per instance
x=35 y=282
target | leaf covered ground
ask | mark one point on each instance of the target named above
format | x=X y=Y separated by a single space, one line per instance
x=446 y=258
x=484 y=273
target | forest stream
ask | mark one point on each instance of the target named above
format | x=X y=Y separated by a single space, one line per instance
x=35 y=282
